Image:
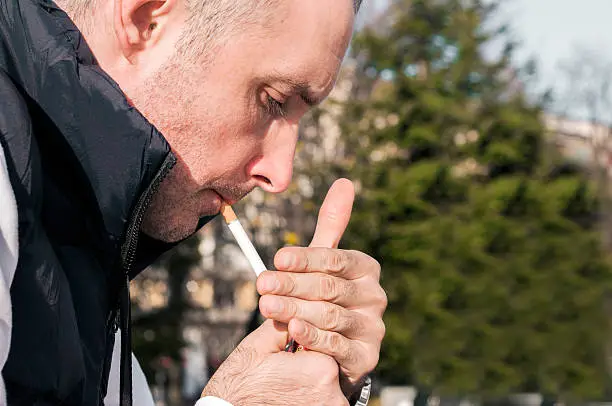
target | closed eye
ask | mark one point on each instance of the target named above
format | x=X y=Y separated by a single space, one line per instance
x=274 y=107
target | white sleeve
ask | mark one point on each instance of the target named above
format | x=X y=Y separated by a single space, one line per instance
x=212 y=401
x=8 y=262
x=141 y=394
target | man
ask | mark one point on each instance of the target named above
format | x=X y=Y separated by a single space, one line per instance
x=99 y=192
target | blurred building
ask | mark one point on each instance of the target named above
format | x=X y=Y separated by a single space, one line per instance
x=583 y=142
x=220 y=295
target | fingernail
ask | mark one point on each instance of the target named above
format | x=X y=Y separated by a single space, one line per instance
x=300 y=328
x=286 y=260
x=271 y=284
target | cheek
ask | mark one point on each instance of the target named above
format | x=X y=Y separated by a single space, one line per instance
x=222 y=146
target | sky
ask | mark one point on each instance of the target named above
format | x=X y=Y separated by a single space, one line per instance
x=550 y=31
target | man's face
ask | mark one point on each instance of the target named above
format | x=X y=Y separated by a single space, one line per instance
x=232 y=121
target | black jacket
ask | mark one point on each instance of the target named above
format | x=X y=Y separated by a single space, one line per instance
x=83 y=164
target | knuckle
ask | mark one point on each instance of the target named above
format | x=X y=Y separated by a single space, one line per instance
x=336 y=260
x=380 y=329
x=292 y=309
x=350 y=289
x=383 y=300
x=376 y=295
x=349 y=358
x=376 y=267
x=329 y=290
x=355 y=324
x=289 y=285
x=371 y=362
x=303 y=259
x=335 y=343
x=313 y=337
x=369 y=262
x=332 y=318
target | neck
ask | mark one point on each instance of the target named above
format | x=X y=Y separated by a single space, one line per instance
x=100 y=40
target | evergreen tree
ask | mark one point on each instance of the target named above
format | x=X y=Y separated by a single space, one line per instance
x=489 y=245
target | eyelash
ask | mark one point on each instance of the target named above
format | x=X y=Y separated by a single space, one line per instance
x=274 y=107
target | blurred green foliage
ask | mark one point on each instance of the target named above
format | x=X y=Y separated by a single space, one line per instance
x=491 y=255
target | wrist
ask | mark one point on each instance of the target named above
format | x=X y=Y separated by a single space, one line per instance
x=212 y=390
x=222 y=384
x=232 y=381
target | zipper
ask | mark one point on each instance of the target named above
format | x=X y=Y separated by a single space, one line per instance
x=128 y=255
x=128 y=250
x=112 y=325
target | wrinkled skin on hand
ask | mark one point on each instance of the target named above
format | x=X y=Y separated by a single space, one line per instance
x=259 y=372
x=331 y=299
x=331 y=302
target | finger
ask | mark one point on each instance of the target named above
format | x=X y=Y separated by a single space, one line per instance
x=347 y=264
x=322 y=287
x=334 y=214
x=346 y=352
x=270 y=337
x=323 y=315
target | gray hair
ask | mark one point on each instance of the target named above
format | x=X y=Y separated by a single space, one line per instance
x=209 y=21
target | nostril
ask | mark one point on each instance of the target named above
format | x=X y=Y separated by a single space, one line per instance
x=263 y=179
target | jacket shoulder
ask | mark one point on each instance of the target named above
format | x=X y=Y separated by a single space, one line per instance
x=16 y=136
x=14 y=115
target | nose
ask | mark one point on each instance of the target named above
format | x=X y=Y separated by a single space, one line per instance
x=273 y=168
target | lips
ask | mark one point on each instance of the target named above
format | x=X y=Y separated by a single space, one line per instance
x=226 y=199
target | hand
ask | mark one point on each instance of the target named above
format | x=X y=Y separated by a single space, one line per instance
x=259 y=372
x=331 y=299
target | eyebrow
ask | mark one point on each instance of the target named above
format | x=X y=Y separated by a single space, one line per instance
x=307 y=95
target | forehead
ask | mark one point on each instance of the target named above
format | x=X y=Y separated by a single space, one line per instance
x=306 y=42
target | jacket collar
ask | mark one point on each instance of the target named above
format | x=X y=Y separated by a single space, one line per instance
x=119 y=151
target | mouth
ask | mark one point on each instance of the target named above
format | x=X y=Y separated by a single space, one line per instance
x=226 y=199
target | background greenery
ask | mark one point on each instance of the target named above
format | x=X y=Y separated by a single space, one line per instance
x=489 y=243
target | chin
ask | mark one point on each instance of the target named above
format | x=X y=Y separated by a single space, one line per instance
x=173 y=223
x=170 y=233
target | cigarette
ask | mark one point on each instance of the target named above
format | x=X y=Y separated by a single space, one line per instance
x=251 y=253
x=242 y=239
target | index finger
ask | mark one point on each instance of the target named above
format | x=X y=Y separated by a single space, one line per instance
x=345 y=264
x=334 y=214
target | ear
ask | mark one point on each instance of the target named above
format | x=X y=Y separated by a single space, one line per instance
x=139 y=24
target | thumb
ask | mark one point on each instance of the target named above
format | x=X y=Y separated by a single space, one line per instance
x=271 y=337
x=334 y=214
